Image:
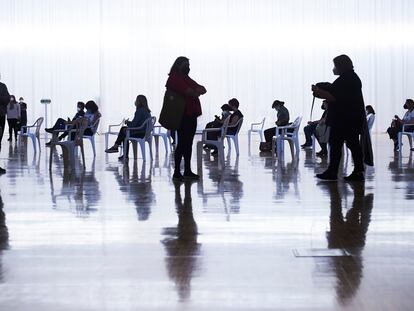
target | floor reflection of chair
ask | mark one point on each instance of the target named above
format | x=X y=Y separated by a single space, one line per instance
x=284 y=176
x=225 y=185
x=234 y=137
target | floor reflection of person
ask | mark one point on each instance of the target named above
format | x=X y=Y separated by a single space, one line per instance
x=349 y=233
x=182 y=248
x=4 y=235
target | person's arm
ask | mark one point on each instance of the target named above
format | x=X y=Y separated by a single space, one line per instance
x=177 y=84
x=4 y=95
x=319 y=93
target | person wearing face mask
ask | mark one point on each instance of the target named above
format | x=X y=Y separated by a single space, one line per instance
x=61 y=123
x=13 y=117
x=397 y=123
x=23 y=113
x=142 y=113
x=180 y=82
x=346 y=118
x=282 y=120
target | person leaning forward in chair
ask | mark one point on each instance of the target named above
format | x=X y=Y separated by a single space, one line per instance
x=282 y=120
x=142 y=113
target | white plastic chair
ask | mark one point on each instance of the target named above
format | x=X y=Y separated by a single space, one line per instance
x=292 y=137
x=32 y=135
x=234 y=137
x=146 y=127
x=111 y=131
x=219 y=143
x=69 y=147
x=409 y=135
x=158 y=132
x=256 y=128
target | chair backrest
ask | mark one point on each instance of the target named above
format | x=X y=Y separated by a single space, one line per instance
x=296 y=125
x=149 y=126
x=370 y=121
x=263 y=123
x=38 y=124
x=79 y=126
x=238 y=125
x=224 y=128
x=95 y=126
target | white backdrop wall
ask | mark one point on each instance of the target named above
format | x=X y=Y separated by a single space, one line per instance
x=254 y=50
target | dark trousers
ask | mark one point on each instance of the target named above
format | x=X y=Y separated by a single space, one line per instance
x=184 y=148
x=122 y=134
x=309 y=131
x=2 y=125
x=394 y=130
x=13 y=127
x=23 y=120
x=337 y=137
x=269 y=133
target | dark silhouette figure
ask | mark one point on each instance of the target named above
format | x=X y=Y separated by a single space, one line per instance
x=179 y=82
x=4 y=100
x=346 y=118
x=4 y=235
x=348 y=233
x=181 y=244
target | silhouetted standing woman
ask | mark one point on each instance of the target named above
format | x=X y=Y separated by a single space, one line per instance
x=179 y=82
x=346 y=117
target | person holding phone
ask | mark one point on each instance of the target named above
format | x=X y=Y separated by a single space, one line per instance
x=397 y=123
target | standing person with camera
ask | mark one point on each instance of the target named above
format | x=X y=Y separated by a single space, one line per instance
x=397 y=123
x=346 y=118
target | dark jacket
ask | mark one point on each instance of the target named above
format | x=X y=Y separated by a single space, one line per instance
x=347 y=112
x=282 y=116
x=4 y=99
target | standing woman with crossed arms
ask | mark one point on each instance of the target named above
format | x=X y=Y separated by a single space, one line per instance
x=179 y=82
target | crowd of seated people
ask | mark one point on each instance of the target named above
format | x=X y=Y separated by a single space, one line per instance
x=92 y=114
x=235 y=116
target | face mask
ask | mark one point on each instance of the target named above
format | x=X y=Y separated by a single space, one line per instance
x=405 y=106
x=335 y=71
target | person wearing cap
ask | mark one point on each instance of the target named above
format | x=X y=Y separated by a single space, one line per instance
x=282 y=119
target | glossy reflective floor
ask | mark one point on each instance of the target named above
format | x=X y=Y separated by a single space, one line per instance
x=114 y=238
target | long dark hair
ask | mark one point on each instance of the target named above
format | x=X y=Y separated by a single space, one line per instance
x=343 y=64
x=176 y=66
x=141 y=102
x=12 y=101
x=91 y=106
x=370 y=109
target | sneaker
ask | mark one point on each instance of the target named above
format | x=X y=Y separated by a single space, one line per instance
x=321 y=153
x=191 y=175
x=206 y=147
x=48 y=144
x=306 y=146
x=327 y=176
x=9 y=139
x=49 y=130
x=214 y=152
x=355 y=176
x=2 y=171
x=113 y=149
x=121 y=158
x=177 y=177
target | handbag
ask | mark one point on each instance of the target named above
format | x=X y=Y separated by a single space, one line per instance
x=172 y=110
x=322 y=133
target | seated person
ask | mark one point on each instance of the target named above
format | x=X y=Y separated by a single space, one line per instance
x=218 y=121
x=282 y=119
x=370 y=112
x=61 y=123
x=311 y=129
x=397 y=123
x=232 y=126
x=142 y=113
x=92 y=114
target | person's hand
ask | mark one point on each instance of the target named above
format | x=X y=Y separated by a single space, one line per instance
x=126 y=121
x=314 y=88
x=310 y=122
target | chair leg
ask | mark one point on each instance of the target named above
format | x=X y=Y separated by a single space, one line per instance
x=142 y=145
x=400 y=141
x=410 y=141
x=199 y=157
x=38 y=142
x=51 y=157
x=126 y=150
x=92 y=140
x=150 y=148
x=236 y=143
x=134 y=148
x=228 y=143
x=165 y=138
x=261 y=136
x=292 y=149
x=83 y=156
x=249 y=137
x=34 y=143
x=106 y=140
